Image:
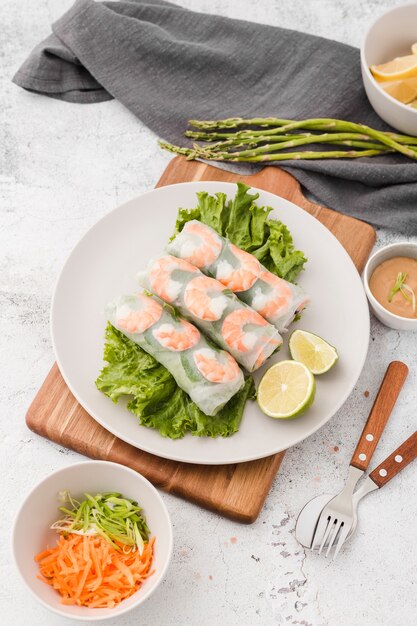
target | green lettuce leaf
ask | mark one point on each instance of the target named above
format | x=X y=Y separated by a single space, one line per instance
x=154 y=396
x=248 y=226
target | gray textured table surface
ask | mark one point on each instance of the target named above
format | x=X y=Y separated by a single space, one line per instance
x=63 y=167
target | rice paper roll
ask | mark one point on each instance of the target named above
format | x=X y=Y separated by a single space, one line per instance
x=275 y=299
x=210 y=376
x=214 y=308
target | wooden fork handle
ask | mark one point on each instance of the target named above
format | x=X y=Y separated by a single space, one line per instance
x=378 y=417
x=396 y=462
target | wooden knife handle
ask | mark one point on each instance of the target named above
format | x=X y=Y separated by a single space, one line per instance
x=378 y=417
x=396 y=462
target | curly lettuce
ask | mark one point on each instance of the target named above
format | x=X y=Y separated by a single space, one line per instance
x=248 y=226
x=155 y=398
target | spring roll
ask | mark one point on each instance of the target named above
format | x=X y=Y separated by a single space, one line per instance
x=275 y=299
x=214 y=309
x=210 y=376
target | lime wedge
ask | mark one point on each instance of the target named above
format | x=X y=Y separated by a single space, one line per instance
x=286 y=390
x=313 y=351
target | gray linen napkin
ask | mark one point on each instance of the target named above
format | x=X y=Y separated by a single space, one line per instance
x=167 y=64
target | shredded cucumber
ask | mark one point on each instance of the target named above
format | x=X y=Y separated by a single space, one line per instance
x=117 y=519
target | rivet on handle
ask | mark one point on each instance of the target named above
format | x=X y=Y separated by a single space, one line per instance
x=396 y=462
x=389 y=390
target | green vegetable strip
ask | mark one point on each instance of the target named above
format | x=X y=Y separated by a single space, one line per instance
x=401 y=286
x=399 y=282
x=110 y=515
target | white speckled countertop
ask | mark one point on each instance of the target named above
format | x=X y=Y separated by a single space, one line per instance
x=63 y=166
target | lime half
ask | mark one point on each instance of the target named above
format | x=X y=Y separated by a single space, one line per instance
x=286 y=390
x=313 y=351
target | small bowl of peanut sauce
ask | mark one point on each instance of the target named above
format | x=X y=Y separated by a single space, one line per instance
x=390 y=280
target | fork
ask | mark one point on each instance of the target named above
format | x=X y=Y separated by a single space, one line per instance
x=337 y=517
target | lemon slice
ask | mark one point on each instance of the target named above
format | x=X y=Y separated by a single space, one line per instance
x=403 y=90
x=318 y=355
x=414 y=48
x=286 y=390
x=397 y=69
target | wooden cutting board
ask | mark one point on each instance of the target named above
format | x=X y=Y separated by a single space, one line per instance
x=237 y=491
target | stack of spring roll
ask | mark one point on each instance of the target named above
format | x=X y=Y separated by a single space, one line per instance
x=208 y=329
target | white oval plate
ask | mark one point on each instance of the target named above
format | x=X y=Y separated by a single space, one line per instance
x=104 y=264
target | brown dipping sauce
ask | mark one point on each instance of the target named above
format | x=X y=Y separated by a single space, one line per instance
x=384 y=278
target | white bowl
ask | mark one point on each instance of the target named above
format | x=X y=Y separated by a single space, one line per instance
x=31 y=533
x=391 y=35
x=386 y=317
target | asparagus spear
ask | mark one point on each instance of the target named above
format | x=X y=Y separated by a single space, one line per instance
x=279 y=135
x=350 y=139
x=268 y=122
x=300 y=141
x=194 y=153
x=336 y=125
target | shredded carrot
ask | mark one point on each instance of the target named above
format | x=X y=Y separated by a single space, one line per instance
x=87 y=571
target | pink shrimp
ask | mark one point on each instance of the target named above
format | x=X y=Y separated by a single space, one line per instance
x=216 y=367
x=138 y=320
x=233 y=329
x=177 y=337
x=202 y=298
x=277 y=301
x=242 y=277
x=160 y=276
x=241 y=340
x=204 y=245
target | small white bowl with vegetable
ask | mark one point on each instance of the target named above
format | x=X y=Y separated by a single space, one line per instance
x=102 y=537
x=390 y=281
